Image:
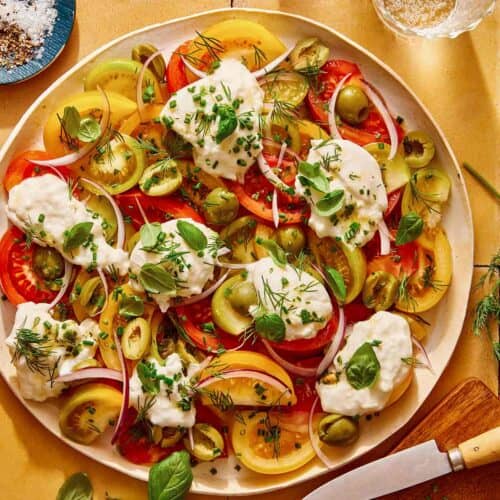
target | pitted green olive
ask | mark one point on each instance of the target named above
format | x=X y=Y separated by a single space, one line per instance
x=221 y=206
x=48 y=263
x=310 y=52
x=92 y=296
x=161 y=178
x=165 y=436
x=242 y=296
x=291 y=238
x=208 y=442
x=418 y=148
x=136 y=339
x=144 y=50
x=380 y=290
x=338 y=430
x=352 y=105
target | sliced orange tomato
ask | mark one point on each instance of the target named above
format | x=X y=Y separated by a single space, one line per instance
x=176 y=70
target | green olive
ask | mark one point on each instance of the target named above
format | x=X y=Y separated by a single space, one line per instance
x=92 y=296
x=221 y=206
x=242 y=296
x=182 y=351
x=161 y=178
x=48 y=263
x=144 y=50
x=380 y=290
x=136 y=339
x=310 y=52
x=291 y=238
x=165 y=436
x=208 y=442
x=338 y=430
x=418 y=148
x=352 y=105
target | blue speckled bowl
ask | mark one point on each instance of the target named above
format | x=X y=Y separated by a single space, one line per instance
x=53 y=46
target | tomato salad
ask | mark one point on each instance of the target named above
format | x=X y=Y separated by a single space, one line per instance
x=224 y=250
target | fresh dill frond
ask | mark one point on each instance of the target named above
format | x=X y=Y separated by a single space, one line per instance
x=259 y=56
x=283 y=111
x=35 y=349
x=212 y=45
x=404 y=294
x=221 y=400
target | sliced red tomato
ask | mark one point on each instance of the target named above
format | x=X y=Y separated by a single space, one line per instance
x=196 y=321
x=356 y=311
x=134 y=443
x=21 y=167
x=19 y=281
x=156 y=208
x=402 y=261
x=176 y=71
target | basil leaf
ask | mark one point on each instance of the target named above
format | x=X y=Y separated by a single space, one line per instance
x=336 y=282
x=275 y=251
x=410 y=228
x=148 y=376
x=71 y=121
x=154 y=278
x=227 y=122
x=270 y=326
x=149 y=235
x=193 y=236
x=313 y=176
x=89 y=130
x=330 y=204
x=171 y=478
x=131 y=306
x=363 y=368
x=77 y=235
x=76 y=487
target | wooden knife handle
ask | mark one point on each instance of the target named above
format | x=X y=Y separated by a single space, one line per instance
x=481 y=450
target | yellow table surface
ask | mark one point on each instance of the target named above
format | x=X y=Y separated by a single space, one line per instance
x=456 y=79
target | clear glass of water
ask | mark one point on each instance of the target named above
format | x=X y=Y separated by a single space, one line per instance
x=433 y=18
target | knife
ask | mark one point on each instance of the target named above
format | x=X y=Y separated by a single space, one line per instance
x=409 y=467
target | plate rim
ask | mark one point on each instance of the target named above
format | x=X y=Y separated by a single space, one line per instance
x=87 y=451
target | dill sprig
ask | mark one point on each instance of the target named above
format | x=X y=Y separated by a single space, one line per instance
x=404 y=294
x=259 y=56
x=35 y=349
x=283 y=111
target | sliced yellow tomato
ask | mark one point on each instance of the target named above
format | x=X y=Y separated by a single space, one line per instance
x=418 y=326
x=131 y=125
x=247 y=391
x=88 y=411
x=308 y=131
x=271 y=443
x=88 y=104
x=80 y=310
x=427 y=286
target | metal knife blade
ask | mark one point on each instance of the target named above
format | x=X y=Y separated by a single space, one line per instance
x=392 y=473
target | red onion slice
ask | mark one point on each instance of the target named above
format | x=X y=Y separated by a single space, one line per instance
x=205 y=293
x=289 y=367
x=384 y=113
x=335 y=344
x=88 y=373
x=334 y=131
x=191 y=438
x=268 y=173
x=140 y=78
x=385 y=238
x=120 y=225
x=275 y=209
x=125 y=389
x=314 y=439
x=427 y=364
x=68 y=268
x=141 y=210
x=277 y=146
x=281 y=155
x=234 y=266
x=85 y=150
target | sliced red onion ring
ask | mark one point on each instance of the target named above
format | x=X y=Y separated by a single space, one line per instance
x=106 y=290
x=125 y=389
x=386 y=116
x=385 y=240
x=191 y=437
x=268 y=173
x=281 y=155
x=140 y=78
x=289 y=367
x=335 y=344
x=85 y=150
x=120 y=225
x=57 y=172
x=334 y=131
x=275 y=209
x=205 y=293
x=198 y=72
x=68 y=268
x=427 y=364
x=276 y=145
x=314 y=439
x=87 y=373
x=230 y=265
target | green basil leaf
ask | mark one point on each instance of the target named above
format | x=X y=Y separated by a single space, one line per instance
x=171 y=478
x=149 y=235
x=193 y=236
x=131 y=306
x=71 y=121
x=410 y=228
x=89 y=130
x=275 y=251
x=270 y=326
x=148 y=376
x=227 y=122
x=363 y=368
x=76 y=487
x=313 y=176
x=154 y=278
x=330 y=204
x=336 y=282
x=77 y=235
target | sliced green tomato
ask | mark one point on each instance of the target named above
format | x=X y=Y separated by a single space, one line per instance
x=224 y=314
x=118 y=167
x=239 y=236
x=99 y=204
x=289 y=87
x=81 y=312
x=395 y=172
x=431 y=184
x=120 y=75
x=428 y=210
x=162 y=178
x=280 y=130
x=88 y=411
